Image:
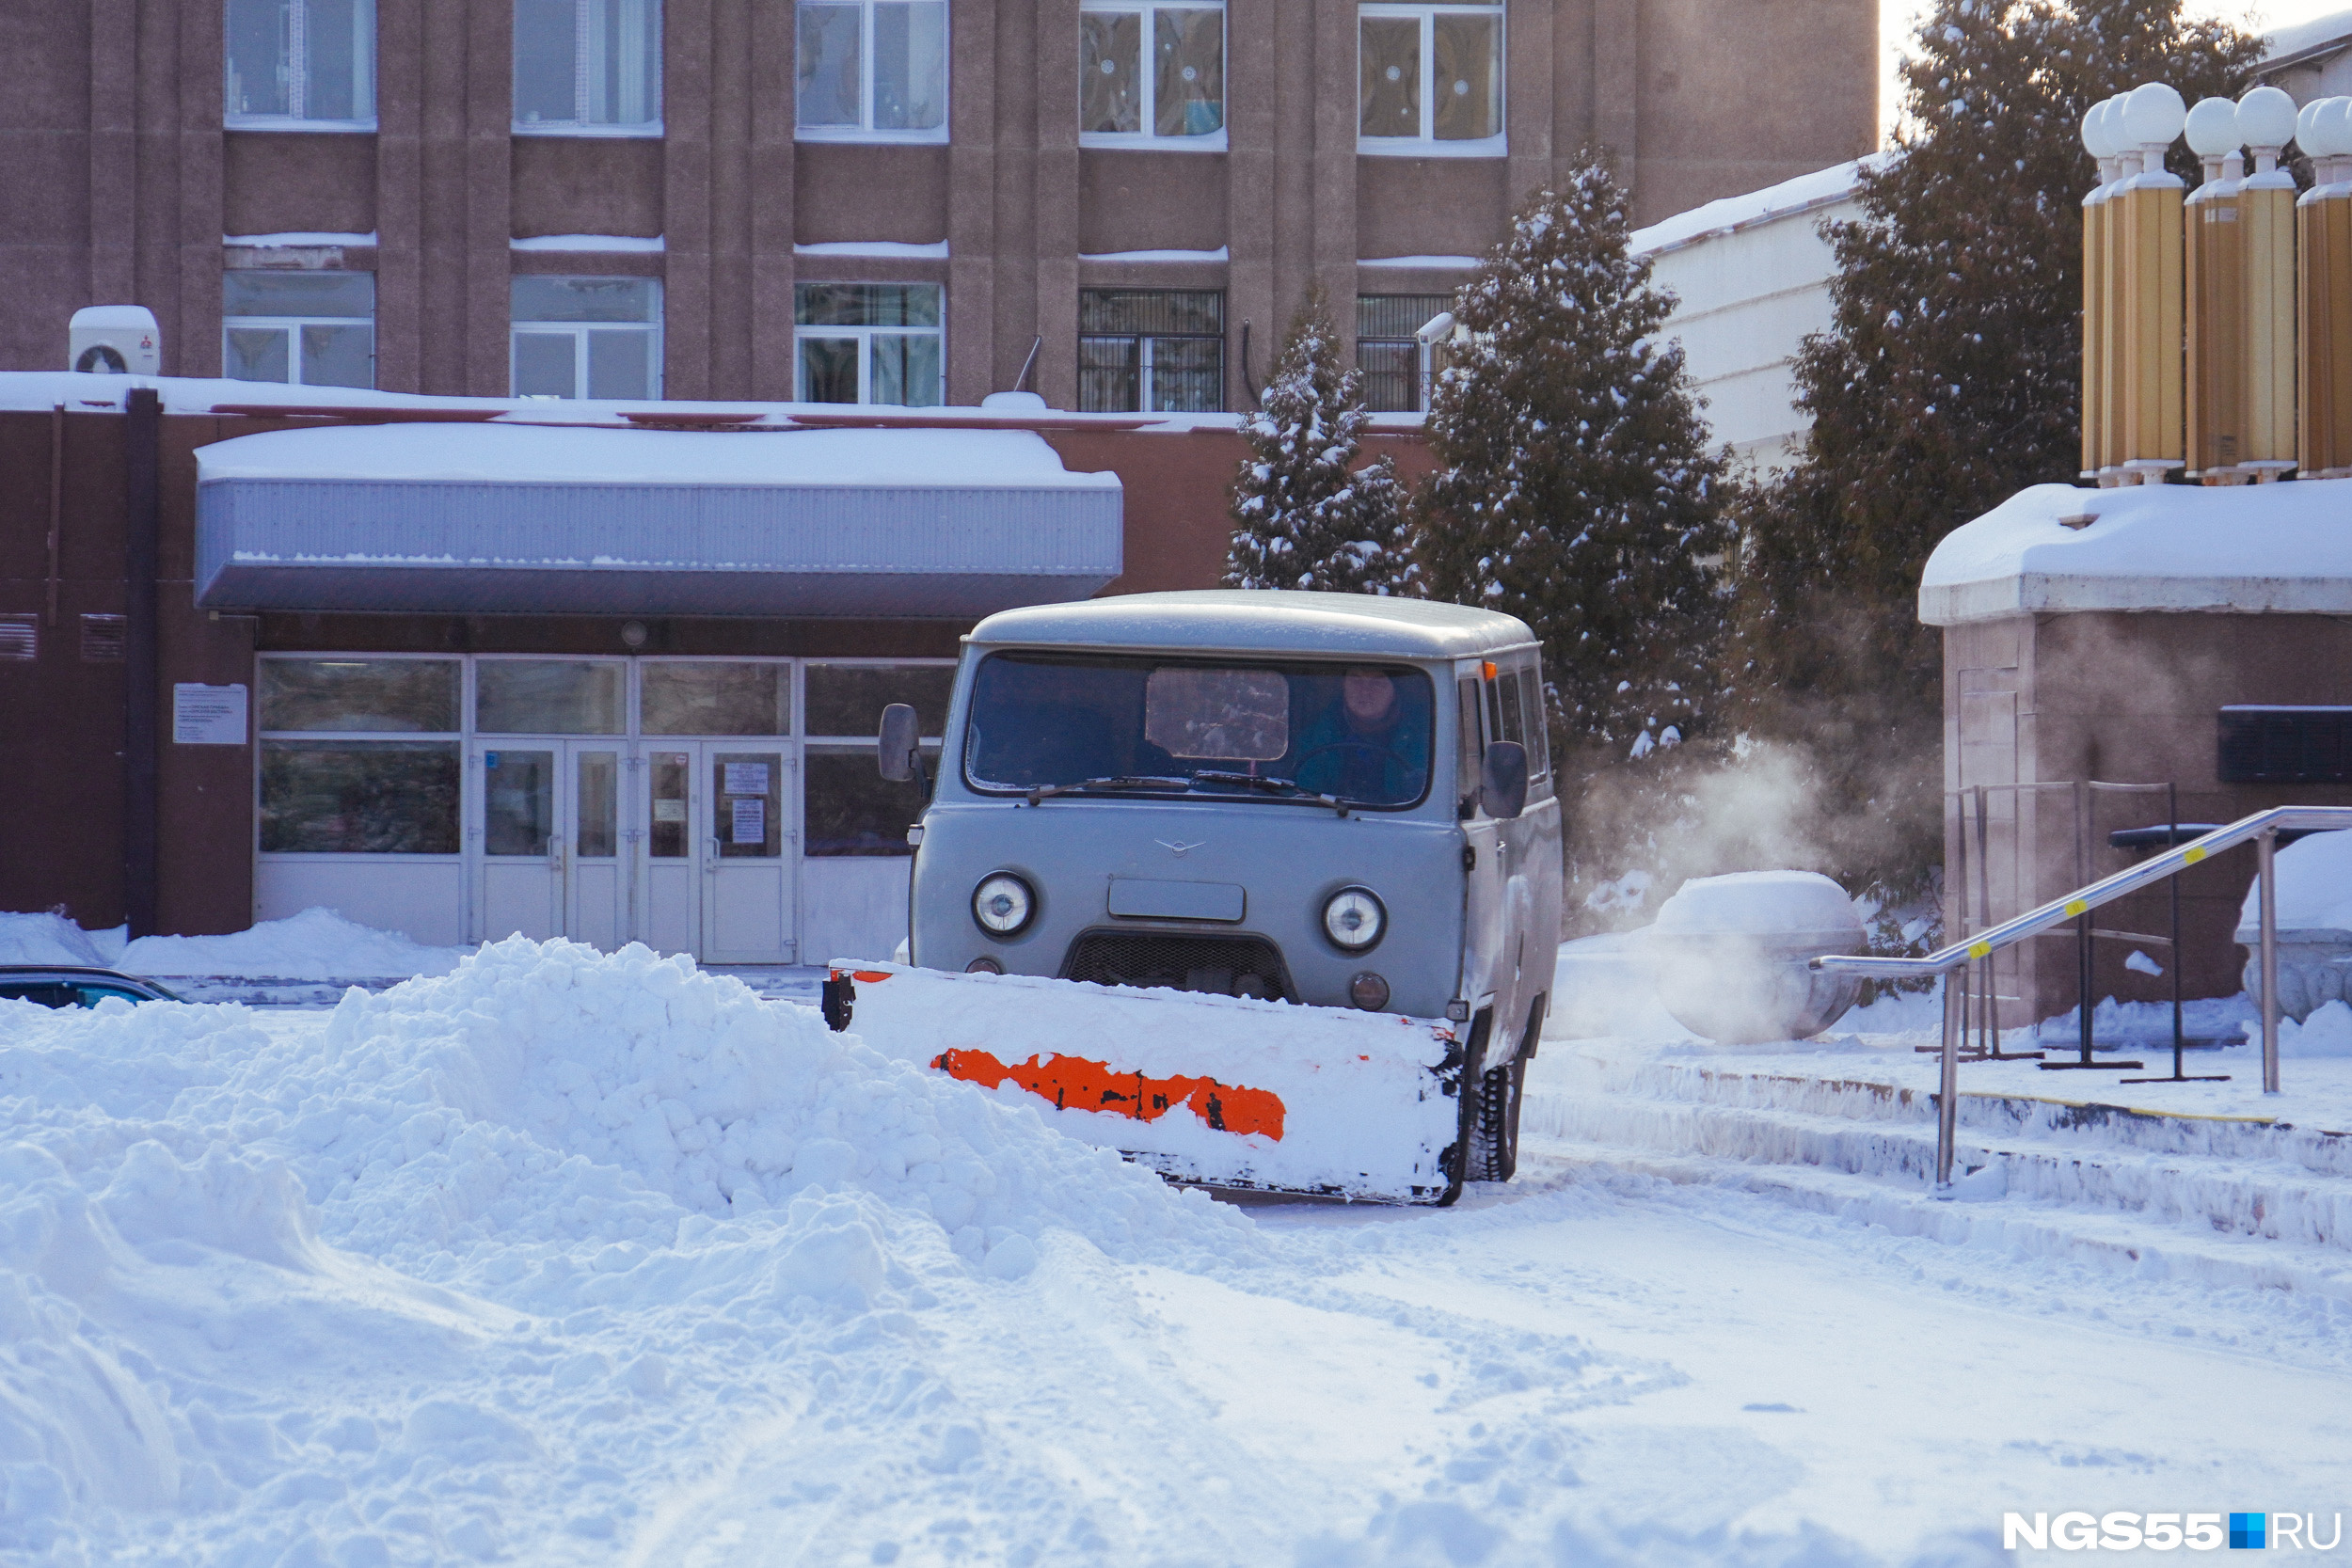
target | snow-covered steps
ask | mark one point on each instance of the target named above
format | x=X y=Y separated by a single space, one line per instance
x=2215 y=1178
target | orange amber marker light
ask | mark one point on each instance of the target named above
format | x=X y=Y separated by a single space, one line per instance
x=1489 y=668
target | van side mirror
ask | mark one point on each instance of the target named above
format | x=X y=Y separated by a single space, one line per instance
x=901 y=743
x=1503 y=780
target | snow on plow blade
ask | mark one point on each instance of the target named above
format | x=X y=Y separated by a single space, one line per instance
x=1221 y=1090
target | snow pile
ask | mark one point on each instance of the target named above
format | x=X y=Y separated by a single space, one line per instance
x=2314 y=887
x=2326 y=1031
x=1798 y=904
x=1730 y=955
x=462 y=1272
x=316 y=944
x=50 y=938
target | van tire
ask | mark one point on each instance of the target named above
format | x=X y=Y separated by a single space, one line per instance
x=1494 y=1137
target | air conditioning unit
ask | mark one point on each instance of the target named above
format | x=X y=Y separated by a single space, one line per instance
x=118 y=339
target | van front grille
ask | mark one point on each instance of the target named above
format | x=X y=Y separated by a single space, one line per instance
x=1224 y=966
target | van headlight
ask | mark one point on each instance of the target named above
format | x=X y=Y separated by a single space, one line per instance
x=1003 y=904
x=1354 y=918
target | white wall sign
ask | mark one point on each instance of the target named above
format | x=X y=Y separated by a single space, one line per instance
x=206 y=715
x=751 y=822
x=746 y=777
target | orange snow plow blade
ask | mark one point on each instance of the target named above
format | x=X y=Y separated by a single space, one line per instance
x=1073 y=1084
x=1225 y=1091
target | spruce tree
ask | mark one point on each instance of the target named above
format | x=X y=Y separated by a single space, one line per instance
x=1575 y=490
x=1308 y=517
x=1949 y=379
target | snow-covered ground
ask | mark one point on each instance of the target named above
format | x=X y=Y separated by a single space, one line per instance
x=566 y=1258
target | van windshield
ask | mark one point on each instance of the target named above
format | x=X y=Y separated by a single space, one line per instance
x=1199 y=728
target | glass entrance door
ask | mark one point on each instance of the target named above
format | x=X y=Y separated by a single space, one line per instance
x=750 y=851
x=550 y=861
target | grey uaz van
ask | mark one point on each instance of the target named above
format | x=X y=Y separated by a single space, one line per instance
x=1328 y=799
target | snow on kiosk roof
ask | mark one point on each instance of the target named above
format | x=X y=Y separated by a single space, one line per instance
x=482 y=518
x=1238 y=620
x=2243 y=549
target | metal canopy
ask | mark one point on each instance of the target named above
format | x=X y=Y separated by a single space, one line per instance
x=492 y=519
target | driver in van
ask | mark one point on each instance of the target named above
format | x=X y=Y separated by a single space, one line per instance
x=1369 y=745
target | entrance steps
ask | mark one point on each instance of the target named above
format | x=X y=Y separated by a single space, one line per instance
x=2234 y=1200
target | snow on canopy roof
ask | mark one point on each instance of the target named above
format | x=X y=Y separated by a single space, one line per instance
x=2258 y=548
x=1263 y=620
x=2285 y=46
x=539 y=454
x=1804 y=193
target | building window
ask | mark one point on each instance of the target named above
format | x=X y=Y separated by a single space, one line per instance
x=850 y=810
x=872 y=69
x=1151 y=73
x=312 y=328
x=1156 y=350
x=586 y=336
x=868 y=342
x=1432 y=79
x=300 y=62
x=1395 y=362
x=386 y=784
x=588 y=65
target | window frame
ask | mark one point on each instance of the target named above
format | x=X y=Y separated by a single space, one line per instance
x=579 y=330
x=298 y=77
x=865 y=130
x=1144 y=341
x=867 y=746
x=1213 y=141
x=864 y=336
x=1423 y=367
x=292 y=325
x=453 y=738
x=1426 y=144
x=650 y=128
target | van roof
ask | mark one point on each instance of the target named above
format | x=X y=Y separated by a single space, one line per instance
x=1261 y=620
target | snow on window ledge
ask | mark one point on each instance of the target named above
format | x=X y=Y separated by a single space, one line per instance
x=651 y=130
x=1220 y=254
x=1416 y=147
x=853 y=133
x=1135 y=141
x=298 y=237
x=627 y=242
x=905 y=249
x=288 y=122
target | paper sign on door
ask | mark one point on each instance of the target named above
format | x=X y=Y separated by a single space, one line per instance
x=669 y=810
x=746 y=777
x=751 y=820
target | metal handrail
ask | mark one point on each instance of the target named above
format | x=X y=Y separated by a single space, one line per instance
x=2262 y=830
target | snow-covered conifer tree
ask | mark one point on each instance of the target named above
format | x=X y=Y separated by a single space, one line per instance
x=1308 y=516
x=1949 y=379
x=1574 y=487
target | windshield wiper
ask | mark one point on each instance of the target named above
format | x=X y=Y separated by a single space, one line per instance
x=1121 y=781
x=1290 y=787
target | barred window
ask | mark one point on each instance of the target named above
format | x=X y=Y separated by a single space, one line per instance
x=1151 y=350
x=1395 y=363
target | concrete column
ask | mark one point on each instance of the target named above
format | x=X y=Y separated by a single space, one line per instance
x=730 y=227
x=487 y=85
x=1335 y=76
x=1572 y=82
x=1617 y=83
x=687 y=116
x=113 y=156
x=1528 y=94
x=400 y=196
x=768 y=198
x=188 y=257
x=1053 y=230
x=1253 y=76
x=979 y=361
x=1014 y=195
